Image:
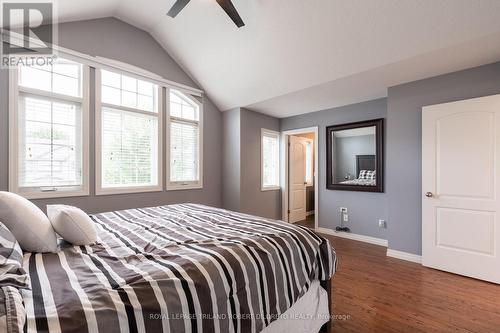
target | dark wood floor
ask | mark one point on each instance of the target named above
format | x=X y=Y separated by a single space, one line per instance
x=376 y=293
x=308 y=222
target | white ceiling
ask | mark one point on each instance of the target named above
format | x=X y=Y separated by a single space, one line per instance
x=297 y=56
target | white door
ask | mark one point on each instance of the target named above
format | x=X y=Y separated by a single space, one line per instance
x=460 y=187
x=297 y=177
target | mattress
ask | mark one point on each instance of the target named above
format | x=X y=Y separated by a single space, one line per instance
x=176 y=268
x=308 y=314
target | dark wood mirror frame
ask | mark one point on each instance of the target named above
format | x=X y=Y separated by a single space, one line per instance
x=379 y=137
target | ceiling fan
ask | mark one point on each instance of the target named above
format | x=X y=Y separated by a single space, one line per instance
x=227 y=5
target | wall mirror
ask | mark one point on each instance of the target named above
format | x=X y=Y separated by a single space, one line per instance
x=355 y=156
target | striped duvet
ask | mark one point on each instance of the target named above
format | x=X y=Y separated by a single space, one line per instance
x=176 y=268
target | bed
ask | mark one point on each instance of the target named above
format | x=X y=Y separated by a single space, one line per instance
x=182 y=268
x=365 y=171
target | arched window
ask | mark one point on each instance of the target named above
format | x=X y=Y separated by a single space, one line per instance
x=184 y=141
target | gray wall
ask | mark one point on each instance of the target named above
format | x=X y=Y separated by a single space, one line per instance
x=231 y=165
x=346 y=150
x=253 y=200
x=242 y=164
x=115 y=39
x=404 y=148
x=365 y=209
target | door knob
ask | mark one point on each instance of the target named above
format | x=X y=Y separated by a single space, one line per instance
x=428 y=194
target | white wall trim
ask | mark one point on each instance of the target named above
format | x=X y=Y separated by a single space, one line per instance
x=356 y=237
x=404 y=256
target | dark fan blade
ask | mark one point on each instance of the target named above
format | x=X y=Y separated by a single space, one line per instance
x=228 y=7
x=177 y=7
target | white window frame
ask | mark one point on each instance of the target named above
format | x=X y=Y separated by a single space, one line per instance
x=267 y=132
x=311 y=156
x=98 y=137
x=187 y=185
x=52 y=191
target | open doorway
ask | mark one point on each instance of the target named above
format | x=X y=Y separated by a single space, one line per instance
x=300 y=176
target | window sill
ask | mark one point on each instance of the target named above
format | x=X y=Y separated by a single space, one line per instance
x=127 y=190
x=51 y=194
x=176 y=187
x=273 y=188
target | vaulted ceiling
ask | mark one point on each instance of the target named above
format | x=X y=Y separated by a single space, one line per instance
x=297 y=56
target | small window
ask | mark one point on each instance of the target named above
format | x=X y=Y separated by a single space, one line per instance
x=185 y=142
x=270 y=160
x=309 y=163
x=128 y=135
x=49 y=130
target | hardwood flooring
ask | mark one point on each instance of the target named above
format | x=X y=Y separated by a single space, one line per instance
x=308 y=222
x=375 y=293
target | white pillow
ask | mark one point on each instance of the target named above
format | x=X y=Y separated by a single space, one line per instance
x=27 y=223
x=72 y=224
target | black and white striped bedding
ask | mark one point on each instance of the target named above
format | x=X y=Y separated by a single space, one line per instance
x=177 y=268
x=12 y=279
x=12 y=312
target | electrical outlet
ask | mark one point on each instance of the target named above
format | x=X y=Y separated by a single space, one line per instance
x=346 y=218
x=382 y=224
x=343 y=209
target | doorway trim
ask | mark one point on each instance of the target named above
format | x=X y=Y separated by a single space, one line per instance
x=284 y=170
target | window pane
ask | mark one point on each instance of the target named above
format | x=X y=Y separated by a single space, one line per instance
x=122 y=90
x=129 y=99
x=37 y=110
x=270 y=160
x=110 y=79
x=145 y=102
x=111 y=95
x=189 y=112
x=129 y=83
x=184 y=147
x=50 y=137
x=67 y=68
x=64 y=77
x=65 y=85
x=176 y=110
x=129 y=149
x=183 y=107
x=65 y=114
x=31 y=77
x=174 y=98
x=145 y=88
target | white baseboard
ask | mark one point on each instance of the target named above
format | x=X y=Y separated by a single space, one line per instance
x=309 y=213
x=361 y=238
x=404 y=256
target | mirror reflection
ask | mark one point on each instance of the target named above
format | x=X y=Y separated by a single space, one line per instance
x=354 y=156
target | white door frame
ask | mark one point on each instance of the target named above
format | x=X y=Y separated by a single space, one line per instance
x=284 y=170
